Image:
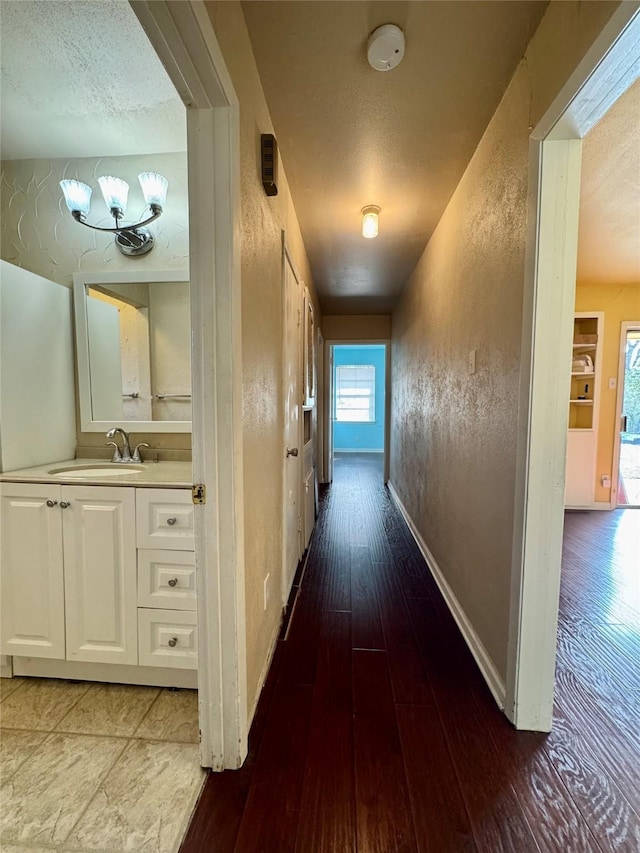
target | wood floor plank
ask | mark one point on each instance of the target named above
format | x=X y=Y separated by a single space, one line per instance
x=365 y=624
x=327 y=805
x=270 y=817
x=406 y=669
x=384 y=821
x=439 y=813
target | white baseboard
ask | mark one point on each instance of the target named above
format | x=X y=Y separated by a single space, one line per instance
x=357 y=450
x=487 y=667
x=6 y=667
x=596 y=505
x=110 y=672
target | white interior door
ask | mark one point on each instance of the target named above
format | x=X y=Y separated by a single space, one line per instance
x=292 y=426
x=627 y=432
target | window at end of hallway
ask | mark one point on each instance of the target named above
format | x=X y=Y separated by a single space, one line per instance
x=355 y=393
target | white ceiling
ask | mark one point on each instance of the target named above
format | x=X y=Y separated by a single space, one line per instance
x=351 y=136
x=80 y=79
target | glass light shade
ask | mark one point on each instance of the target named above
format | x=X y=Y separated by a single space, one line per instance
x=77 y=196
x=114 y=191
x=370 y=221
x=154 y=188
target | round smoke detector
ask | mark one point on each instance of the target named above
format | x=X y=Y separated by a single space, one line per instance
x=386 y=47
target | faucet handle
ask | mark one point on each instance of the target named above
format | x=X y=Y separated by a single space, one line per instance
x=136 y=453
x=117 y=456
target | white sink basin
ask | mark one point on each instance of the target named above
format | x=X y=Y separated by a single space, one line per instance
x=111 y=469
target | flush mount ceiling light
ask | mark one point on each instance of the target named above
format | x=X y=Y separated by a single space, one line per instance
x=370 y=215
x=386 y=47
x=132 y=240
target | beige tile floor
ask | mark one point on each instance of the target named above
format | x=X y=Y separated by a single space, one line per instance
x=91 y=767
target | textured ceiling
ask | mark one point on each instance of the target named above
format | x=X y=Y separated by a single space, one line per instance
x=351 y=136
x=609 y=227
x=80 y=79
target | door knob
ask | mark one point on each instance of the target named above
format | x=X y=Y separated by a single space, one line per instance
x=173 y=642
x=171 y=521
x=292 y=452
x=64 y=504
x=51 y=503
x=173 y=581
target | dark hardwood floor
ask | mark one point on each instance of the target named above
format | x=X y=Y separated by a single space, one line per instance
x=376 y=733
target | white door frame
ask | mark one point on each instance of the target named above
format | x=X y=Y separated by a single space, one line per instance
x=625 y=327
x=330 y=343
x=183 y=37
x=607 y=70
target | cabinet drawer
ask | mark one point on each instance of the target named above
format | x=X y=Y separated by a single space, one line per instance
x=164 y=519
x=167 y=579
x=167 y=638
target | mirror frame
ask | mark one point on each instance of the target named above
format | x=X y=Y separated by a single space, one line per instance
x=80 y=281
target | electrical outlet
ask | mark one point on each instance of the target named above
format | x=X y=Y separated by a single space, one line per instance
x=267 y=585
x=606 y=481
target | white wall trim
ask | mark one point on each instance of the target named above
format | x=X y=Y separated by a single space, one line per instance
x=481 y=656
x=549 y=299
x=184 y=39
x=625 y=327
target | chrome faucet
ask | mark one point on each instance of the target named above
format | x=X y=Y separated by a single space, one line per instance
x=126 y=455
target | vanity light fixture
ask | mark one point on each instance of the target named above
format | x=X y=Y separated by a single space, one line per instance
x=132 y=240
x=370 y=220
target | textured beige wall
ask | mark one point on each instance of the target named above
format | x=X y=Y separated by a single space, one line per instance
x=620 y=303
x=356 y=327
x=453 y=443
x=262 y=221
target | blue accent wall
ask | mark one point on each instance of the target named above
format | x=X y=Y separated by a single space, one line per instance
x=359 y=436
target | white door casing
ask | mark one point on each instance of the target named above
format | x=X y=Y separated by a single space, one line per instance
x=625 y=327
x=183 y=37
x=292 y=450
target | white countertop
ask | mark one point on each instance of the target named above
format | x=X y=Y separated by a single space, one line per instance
x=154 y=474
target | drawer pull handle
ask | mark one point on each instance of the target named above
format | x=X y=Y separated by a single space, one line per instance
x=173 y=582
x=51 y=503
x=171 y=521
x=173 y=642
x=65 y=504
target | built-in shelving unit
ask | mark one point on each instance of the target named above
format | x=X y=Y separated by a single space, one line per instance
x=584 y=398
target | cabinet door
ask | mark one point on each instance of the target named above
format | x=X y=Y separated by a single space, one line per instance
x=32 y=575
x=100 y=574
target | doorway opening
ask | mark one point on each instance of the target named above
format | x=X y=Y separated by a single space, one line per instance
x=628 y=436
x=358 y=407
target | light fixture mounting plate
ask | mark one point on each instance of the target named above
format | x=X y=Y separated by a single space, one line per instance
x=135 y=242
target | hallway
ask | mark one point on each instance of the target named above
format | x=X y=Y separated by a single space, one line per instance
x=375 y=731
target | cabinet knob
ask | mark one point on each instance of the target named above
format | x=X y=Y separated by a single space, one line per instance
x=51 y=503
x=64 y=504
x=171 y=521
x=173 y=642
x=173 y=582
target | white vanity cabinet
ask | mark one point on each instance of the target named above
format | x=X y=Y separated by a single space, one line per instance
x=69 y=572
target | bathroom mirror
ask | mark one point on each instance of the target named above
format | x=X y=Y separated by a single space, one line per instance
x=133 y=343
